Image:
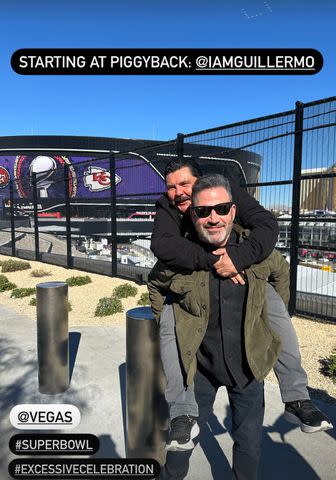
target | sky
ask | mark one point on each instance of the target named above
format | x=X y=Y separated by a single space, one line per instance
x=157 y=107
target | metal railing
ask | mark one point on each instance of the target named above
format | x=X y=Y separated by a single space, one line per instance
x=289 y=165
x=81 y=219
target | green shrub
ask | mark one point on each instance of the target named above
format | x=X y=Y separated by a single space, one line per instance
x=22 y=292
x=144 y=299
x=39 y=272
x=108 y=306
x=33 y=304
x=14 y=265
x=77 y=281
x=3 y=278
x=5 y=284
x=125 y=290
x=332 y=366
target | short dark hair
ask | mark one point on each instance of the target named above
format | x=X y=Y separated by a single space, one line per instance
x=179 y=163
x=211 y=181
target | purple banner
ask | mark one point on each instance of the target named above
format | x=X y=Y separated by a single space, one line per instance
x=134 y=175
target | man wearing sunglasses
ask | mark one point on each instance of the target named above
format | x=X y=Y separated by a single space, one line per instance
x=171 y=246
x=222 y=334
x=221 y=328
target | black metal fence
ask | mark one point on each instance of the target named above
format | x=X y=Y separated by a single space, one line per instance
x=107 y=231
x=285 y=160
x=290 y=168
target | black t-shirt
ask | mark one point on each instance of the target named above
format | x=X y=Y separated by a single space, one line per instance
x=221 y=356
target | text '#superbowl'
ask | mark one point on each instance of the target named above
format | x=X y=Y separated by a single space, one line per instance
x=67 y=61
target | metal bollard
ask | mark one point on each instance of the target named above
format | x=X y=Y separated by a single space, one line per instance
x=52 y=337
x=147 y=411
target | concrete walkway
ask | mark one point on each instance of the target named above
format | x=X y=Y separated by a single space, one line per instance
x=98 y=390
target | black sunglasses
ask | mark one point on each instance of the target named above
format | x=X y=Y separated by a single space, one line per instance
x=220 y=209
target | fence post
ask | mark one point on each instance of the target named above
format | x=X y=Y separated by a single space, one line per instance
x=113 y=212
x=12 y=220
x=67 y=216
x=180 y=145
x=296 y=205
x=36 y=227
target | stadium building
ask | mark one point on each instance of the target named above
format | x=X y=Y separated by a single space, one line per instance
x=139 y=168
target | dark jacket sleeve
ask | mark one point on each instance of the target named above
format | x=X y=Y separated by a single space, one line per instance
x=264 y=230
x=171 y=247
x=279 y=276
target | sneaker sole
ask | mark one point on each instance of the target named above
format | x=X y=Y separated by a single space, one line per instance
x=307 y=428
x=174 y=446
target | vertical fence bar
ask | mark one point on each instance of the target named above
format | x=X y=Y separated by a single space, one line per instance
x=36 y=226
x=296 y=205
x=113 y=212
x=67 y=216
x=180 y=145
x=11 y=210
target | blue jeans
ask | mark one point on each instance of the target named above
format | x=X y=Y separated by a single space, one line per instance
x=247 y=408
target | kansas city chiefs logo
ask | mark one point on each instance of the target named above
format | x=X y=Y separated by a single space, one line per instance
x=97 y=179
x=4 y=177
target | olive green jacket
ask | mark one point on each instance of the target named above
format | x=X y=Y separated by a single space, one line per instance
x=192 y=303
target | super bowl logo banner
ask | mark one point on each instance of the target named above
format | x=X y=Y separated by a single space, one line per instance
x=4 y=177
x=49 y=172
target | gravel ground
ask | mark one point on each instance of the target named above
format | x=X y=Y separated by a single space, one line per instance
x=317 y=339
x=83 y=299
